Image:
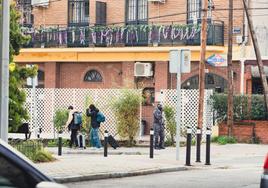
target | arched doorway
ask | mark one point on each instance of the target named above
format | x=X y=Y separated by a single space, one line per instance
x=212 y=81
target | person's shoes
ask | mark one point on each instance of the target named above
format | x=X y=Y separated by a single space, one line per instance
x=158 y=148
x=162 y=147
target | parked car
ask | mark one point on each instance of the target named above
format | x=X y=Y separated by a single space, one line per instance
x=264 y=177
x=17 y=171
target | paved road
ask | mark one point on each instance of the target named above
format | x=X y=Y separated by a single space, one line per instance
x=213 y=178
x=242 y=172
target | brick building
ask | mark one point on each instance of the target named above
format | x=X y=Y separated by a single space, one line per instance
x=95 y=44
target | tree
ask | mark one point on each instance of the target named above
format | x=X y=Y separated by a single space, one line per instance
x=17 y=97
x=127 y=115
x=170 y=122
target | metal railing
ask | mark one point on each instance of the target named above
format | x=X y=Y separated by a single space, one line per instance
x=160 y=34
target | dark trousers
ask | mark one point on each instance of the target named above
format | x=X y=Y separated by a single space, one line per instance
x=74 y=137
x=159 y=132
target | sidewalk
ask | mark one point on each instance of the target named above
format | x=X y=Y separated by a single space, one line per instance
x=77 y=165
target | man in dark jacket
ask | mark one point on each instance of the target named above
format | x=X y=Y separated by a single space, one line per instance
x=159 y=127
x=92 y=112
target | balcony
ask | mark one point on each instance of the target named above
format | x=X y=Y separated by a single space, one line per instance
x=166 y=34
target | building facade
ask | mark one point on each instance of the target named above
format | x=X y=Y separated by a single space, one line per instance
x=97 y=44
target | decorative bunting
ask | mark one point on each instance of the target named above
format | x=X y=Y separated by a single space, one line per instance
x=129 y=34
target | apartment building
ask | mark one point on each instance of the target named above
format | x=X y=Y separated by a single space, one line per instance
x=95 y=44
x=126 y=44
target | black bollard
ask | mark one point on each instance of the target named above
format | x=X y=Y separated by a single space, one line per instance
x=60 y=144
x=152 y=143
x=208 y=136
x=198 y=144
x=106 y=143
x=188 y=146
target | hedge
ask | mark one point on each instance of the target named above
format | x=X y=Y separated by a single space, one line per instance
x=242 y=109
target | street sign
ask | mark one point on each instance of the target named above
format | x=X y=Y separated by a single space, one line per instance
x=173 y=61
x=236 y=30
x=185 y=61
x=180 y=56
x=32 y=81
x=217 y=60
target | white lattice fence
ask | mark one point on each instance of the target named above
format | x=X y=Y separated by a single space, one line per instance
x=49 y=100
x=189 y=108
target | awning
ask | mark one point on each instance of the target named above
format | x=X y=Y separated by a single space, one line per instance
x=255 y=71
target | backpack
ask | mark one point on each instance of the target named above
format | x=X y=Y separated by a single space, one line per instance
x=78 y=118
x=100 y=117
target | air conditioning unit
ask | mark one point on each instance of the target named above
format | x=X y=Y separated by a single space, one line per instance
x=143 y=69
x=157 y=1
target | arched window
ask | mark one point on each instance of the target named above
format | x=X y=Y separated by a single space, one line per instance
x=212 y=81
x=93 y=76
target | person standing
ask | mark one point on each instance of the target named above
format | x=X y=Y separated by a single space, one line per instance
x=92 y=112
x=158 y=127
x=72 y=127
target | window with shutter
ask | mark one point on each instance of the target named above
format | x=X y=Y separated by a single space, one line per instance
x=101 y=13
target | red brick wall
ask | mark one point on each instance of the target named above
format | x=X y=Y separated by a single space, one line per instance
x=55 y=14
x=170 y=7
x=248 y=80
x=161 y=75
x=128 y=75
x=115 y=11
x=72 y=75
x=50 y=75
x=243 y=131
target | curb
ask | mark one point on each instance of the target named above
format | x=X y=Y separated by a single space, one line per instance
x=100 y=153
x=109 y=175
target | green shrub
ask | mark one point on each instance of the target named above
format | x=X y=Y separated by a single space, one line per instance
x=170 y=122
x=242 y=110
x=222 y=140
x=193 y=143
x=169 y=142
x=34 y=150
x=29 y=148
x=214 y=139
x=54 y=143
x=43 y=156
x=258 y=110
x=127 y=113
x=60 y=118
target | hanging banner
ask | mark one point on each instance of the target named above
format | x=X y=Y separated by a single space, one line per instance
x=217 y=60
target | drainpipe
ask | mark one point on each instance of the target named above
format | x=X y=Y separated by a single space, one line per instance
x=243 y=59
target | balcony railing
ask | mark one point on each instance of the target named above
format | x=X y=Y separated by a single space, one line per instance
x=128 y=35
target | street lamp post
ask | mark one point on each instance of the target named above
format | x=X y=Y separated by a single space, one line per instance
x=4 y=70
